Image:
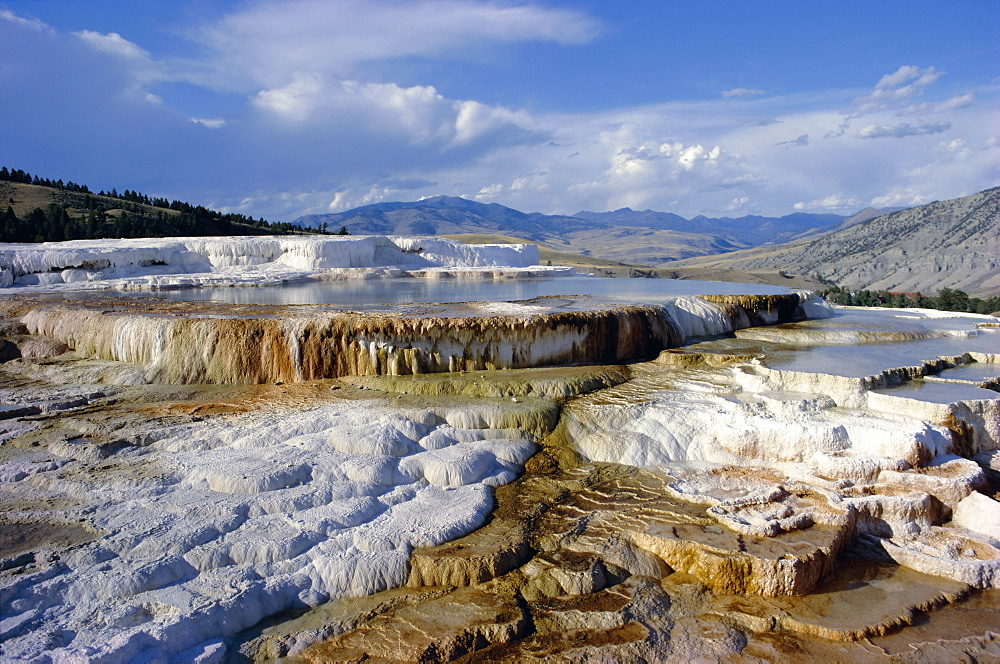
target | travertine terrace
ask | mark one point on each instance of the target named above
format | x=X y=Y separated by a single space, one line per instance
x=696 y=477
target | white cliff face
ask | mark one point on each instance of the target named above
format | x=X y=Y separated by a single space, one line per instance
x=173 y=262
x=215 y=526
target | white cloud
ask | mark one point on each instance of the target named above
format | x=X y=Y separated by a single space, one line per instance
x=475 y=119
x=211 y=123
x=737 y=204
x=831 y=203
x=895 y=93
x=742 y=92
x=905 y=83
x=489 y=192
x=30 y=23
x=267 y=42
x=907 y=197
x=114 y=44
x=955 y=103
x=903 y=130
x=688 y=156
x=418 y=113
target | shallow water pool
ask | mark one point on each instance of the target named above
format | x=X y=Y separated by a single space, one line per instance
x=449 y=290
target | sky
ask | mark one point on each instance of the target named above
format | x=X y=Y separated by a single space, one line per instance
x=279 y=108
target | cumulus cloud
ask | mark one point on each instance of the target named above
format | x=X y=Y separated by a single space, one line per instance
x=736 y=204
x=419 y=114
x=907 y=197
x=346 y=200
x=742 y=92
x=902 y=130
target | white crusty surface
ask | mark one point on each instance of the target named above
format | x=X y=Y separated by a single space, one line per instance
x=149 y=263
x=221 y=523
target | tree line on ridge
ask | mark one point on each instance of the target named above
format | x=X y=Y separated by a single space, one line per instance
x=81 y=214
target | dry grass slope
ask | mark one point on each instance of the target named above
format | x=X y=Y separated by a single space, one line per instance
x=945 y=244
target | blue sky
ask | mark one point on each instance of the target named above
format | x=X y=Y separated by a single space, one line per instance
x=282 y=108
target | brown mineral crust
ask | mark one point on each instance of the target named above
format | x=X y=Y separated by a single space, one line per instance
x=862 y=600
x=687 y=538
x=491 y=551
x=577 y=645
x=682 y=358
x=440 y=629
x=500 y=546
x=190 y=349
x=754 y=308
x=546 y=382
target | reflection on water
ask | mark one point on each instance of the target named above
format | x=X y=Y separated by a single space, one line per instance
x=933 y=392
x=857 y=360
x=974 y=373
x=403 y=291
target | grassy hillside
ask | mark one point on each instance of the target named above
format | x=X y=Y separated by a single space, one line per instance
x=37 y=210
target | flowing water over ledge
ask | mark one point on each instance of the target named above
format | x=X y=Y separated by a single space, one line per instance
x=697 y=505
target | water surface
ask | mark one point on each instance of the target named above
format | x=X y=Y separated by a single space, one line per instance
x=451 y=290
x=961 y=335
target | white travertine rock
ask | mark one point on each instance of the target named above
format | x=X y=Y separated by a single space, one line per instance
x=203 y=261
x=221 y=523
x=893 y=459
x=979 y=513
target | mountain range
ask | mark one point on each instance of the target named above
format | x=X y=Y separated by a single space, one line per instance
x=945 y=244
x=645 y=237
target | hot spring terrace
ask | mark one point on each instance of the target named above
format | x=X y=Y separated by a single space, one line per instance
x=206 y=342
x=336 y=306
x=662 y=471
